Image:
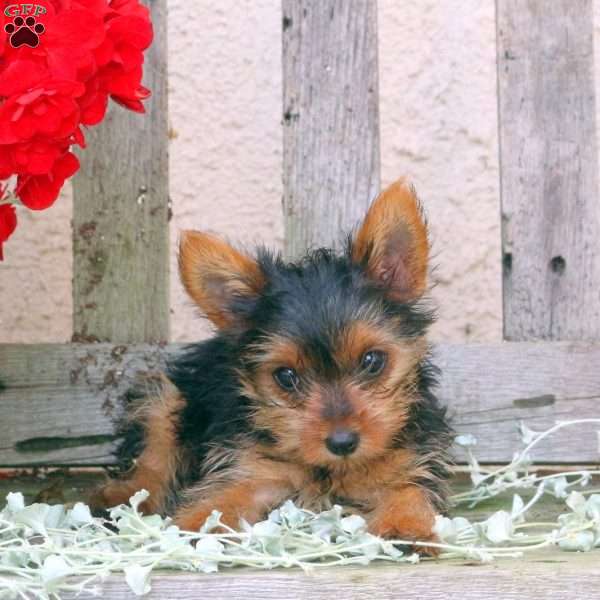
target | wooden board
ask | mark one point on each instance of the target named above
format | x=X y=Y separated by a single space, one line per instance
x=120 y=216
x=60 y=401
x=330 y=119
x=549 y=575
x=549 y=169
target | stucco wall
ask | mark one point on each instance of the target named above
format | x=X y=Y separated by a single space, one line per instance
x=438 y=125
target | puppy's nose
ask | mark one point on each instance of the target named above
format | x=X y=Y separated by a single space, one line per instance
x=342 y=442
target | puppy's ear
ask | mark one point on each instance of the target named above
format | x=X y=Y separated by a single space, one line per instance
x=217 y=276
x=392 y=243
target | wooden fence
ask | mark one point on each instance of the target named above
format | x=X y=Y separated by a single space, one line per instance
x=59 y=401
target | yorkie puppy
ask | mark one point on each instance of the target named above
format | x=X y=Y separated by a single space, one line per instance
x=316 y=387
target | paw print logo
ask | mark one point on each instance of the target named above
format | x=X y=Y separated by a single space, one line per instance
x=24 y=32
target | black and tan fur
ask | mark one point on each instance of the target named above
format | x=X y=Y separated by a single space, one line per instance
x=223 y=433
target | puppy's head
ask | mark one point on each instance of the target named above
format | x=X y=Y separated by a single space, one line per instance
x=330 y=346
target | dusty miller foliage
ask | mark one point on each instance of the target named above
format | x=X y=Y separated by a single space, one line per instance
x=46 y=551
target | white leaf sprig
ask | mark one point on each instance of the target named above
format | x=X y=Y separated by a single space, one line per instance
x=46 y=551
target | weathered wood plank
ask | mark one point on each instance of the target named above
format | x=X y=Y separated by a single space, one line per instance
x=120 y=216
x=548 y=575
x=490 y=388
x=549 y=179
x=330 y=119
x=60 y=401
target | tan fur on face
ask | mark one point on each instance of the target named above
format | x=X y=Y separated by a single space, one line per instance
x=393 y=241
x=214 y=273
x=377 y=409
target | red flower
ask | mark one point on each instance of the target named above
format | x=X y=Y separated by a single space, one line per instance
x=41 y=191
x=21 y=75
x=87 y=51
x=121 y=76
x=70 y=39
x=8 y=223
x=48 y=111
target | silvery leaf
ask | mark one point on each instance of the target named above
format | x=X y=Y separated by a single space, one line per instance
x=80 y=514
x=528 y=435
x=292 y=514
x=592 y=507
x=210 y=551
x=15 y=501
x=517 y=507
x=14 y=558
x=326 y=524
x=54 y=571
x=55 y=515
x=390 y=549
x=353 y=524
x=210 y=546
x=212 y=522
x=171 y=539
x=559 y=487
x=465 y=440
x=370 y=545
x=34 y=517
x=498 y=528
x=138 y=498
x=578 y=542
x=576 y=502
x=268 y=535
x=138 y=579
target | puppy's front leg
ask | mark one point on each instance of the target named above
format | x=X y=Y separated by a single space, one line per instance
x=242 y=499
x=405 y=513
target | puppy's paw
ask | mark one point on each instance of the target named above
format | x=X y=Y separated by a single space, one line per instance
x=407 y=529
x=112 y=494
x=191 y=519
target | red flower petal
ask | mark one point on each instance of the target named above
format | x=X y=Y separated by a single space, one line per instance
x=8 y=223
x=134 y=105
x=95 y=110
x=134 y=30
x=66 y=166
x=75 y=28
x=21 y=75
x=41 y=191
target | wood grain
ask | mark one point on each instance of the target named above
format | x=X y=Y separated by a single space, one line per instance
x=548 y=575
x=490 y=388
x=549 y=170
x=330 y=119
x=60 y=401
x=120 y=216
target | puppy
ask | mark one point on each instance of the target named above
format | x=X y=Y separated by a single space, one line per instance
x=317 y=386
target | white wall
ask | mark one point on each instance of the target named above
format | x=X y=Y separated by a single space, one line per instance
x=438 y=125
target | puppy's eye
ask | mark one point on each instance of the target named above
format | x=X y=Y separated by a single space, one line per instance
x=373 y=362
x=286 y=378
